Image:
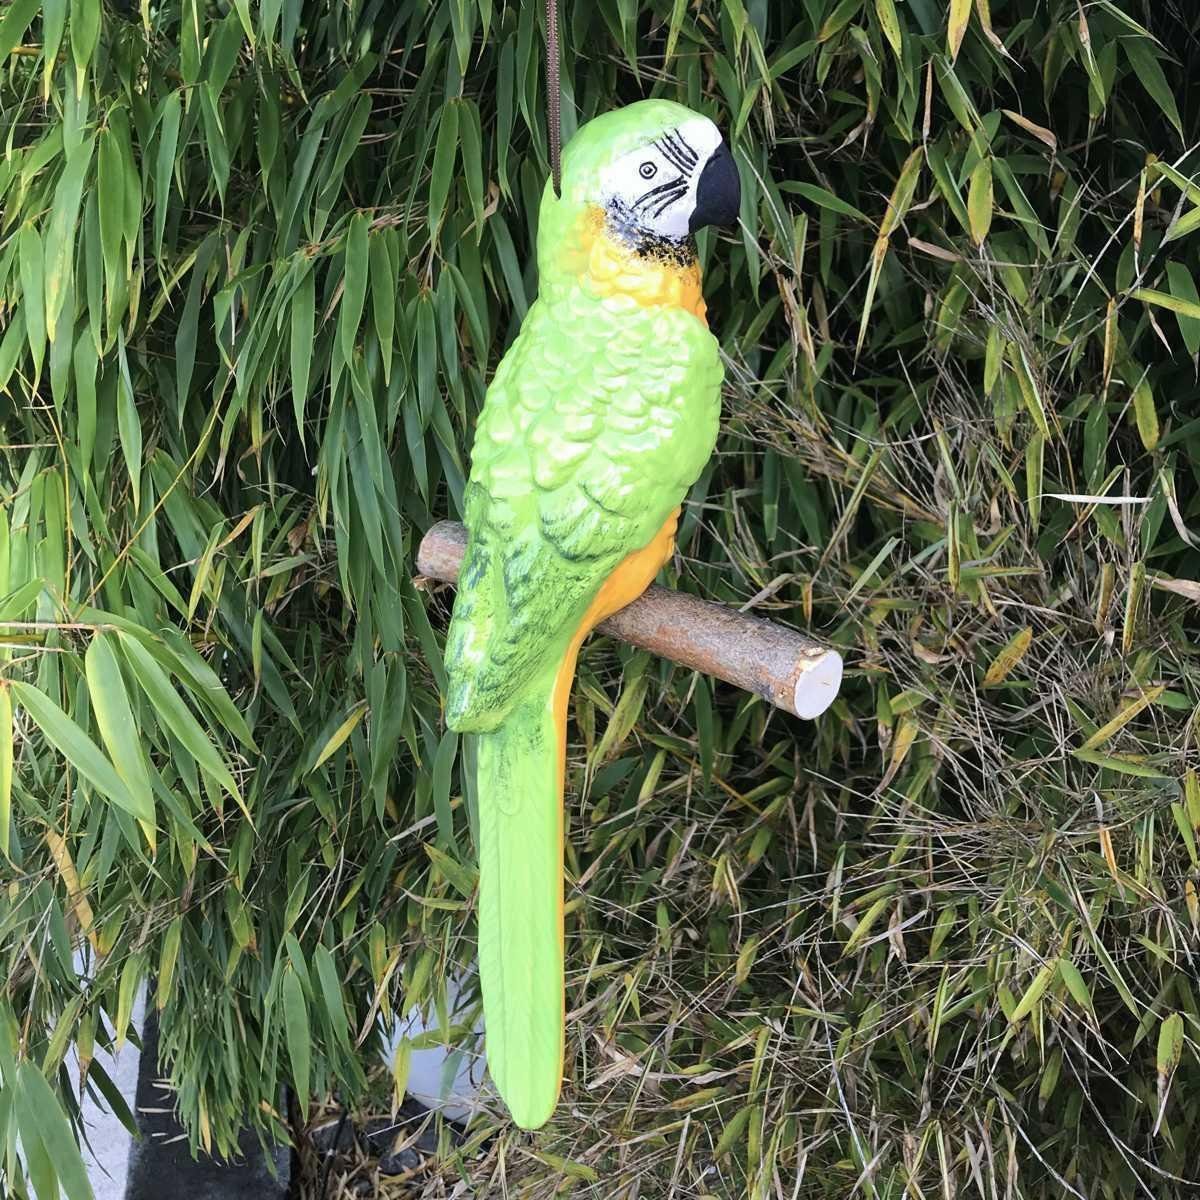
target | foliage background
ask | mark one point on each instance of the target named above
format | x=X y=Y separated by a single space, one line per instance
x=256 y=264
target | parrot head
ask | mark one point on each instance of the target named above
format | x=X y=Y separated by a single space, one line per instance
x=637 y=183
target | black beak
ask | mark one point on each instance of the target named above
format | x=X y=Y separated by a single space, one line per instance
x=719 y=193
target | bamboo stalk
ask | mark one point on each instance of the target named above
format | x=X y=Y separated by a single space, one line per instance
x=785 y=667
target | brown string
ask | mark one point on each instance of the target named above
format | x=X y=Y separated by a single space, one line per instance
x=553 y=96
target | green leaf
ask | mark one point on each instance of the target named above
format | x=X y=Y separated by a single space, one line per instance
x=444 y=155
x=168 y=958
x=164 y=167
x=826 y=199
x=85 y=33
x=33 y=298
x=384 y=283
x=131 y=980
x=79 y=750
x=303 y=318
x=1149 y=71
x=298 y=1036
x=114 y=716
x=354 y=292
x=1033 y=993
x=17 y=18
x=1075 y=982
x=6 y=767
x=1177 y=304
x=1113 y=762
x=53 y=1130
x=1145 y=413
x=331 y=992
x=1183 y=289
x=173 y=714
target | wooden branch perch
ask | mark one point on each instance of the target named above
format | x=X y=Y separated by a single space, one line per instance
x=783 y=666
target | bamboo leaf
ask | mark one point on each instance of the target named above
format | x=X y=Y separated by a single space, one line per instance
x=889 y=22
x=443 y=165
x=1145 y=414
x=78 y=749
x=50 y=1127
x=355 y=284
x=17 y=18
x=979 y=201
x=1075 y=982
x=298 y=1037
x=7 y=736
x=1005 y=662
x=1127 y=713
x=170 y=710
x=118 y=727
x=1033 y=993
x=303 y=319
x=336 y=739
x=960 y=15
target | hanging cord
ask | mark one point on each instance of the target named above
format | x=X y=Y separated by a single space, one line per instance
x=553 y=96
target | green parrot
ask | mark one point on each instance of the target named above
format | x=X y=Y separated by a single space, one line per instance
x=601 y=416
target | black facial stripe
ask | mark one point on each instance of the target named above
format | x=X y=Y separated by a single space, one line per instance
x=672 y=155
x=676 y=184
x=668 y=200
x=679 y=146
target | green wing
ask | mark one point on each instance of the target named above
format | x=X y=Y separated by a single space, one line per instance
x=598 y=421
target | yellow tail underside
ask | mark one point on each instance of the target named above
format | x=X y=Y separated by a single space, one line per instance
x=631 y=578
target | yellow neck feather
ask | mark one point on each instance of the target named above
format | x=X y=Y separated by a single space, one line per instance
x=608 y=268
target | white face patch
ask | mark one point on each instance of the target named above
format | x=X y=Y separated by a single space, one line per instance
x=652 y=190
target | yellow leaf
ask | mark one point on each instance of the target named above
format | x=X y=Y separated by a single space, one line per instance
x=906 y=734
x=1110 y=857
x=983 y=8
x=889 y=22
x=1033 y=993
x=979 y=201
x=1110 y=339
x=1012 y=653
x=1126 y=715
x=1185 y=308
x=1039 y=131
x=960 y=14
x=340 y=734
x=66 y=868
x=1170 y=1051
x=1145 y=414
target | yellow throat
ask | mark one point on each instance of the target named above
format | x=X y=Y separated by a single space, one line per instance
x=609 y=268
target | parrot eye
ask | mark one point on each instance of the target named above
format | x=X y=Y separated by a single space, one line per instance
x=647 y=170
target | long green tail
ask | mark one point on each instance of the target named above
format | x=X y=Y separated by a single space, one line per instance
x=520 y=907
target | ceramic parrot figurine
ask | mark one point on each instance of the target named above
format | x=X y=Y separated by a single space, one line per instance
x=600 y=417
